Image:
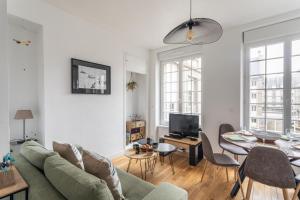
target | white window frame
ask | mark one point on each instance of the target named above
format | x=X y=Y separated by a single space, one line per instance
x=287 y=79
x=161 y=72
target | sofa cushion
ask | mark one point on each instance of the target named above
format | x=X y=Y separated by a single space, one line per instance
x=102 y=168
x=133 y=187
x=39 y=186
x=70 y=153
x=74 y=183
x=35 y=153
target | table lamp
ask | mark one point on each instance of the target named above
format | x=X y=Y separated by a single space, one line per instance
x=23 y=115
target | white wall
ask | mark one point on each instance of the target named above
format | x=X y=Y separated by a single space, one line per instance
x=4 y=104
x=222 y=83
x=23 y=79
x=94 y=121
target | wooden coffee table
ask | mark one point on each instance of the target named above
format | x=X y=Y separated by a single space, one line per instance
x=149 y=159
x=20 y=185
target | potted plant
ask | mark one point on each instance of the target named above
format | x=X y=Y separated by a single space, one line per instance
x=131 y=85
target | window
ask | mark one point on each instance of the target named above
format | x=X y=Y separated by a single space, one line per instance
x=273 y=86
x=295 y=86
x=180 y=87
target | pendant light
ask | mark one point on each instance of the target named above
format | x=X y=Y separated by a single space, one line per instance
x=195 y=31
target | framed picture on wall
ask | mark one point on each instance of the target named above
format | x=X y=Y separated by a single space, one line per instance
x=90 y=78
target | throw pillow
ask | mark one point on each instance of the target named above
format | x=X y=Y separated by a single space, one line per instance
x=70 y=153
x=102 y=168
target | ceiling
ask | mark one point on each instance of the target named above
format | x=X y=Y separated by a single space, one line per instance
x=146 y=22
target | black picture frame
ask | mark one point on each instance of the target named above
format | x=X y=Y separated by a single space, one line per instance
x=86 y=83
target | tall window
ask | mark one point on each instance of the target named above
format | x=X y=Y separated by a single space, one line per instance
x=180 y=87
x=273 y=85
x=295 y=93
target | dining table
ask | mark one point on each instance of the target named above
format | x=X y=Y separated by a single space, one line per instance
x=247 y=140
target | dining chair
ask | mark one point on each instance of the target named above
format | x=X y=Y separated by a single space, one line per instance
x=218 y=159
x=226 y=146
x=271 y=167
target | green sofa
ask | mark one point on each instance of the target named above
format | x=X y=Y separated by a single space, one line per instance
x=51 y=177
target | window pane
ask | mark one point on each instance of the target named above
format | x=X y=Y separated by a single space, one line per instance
x=171 y=77
x=166 y=116
x=295 y=79
x=196 y=108
x=257 y=82
x=275 y=50
x=296 y=63
x=196 y=97
x=257 y=96
x=296 y=126
x=257 y=53
x=295 y=96
x=275 y=66
x=167 y=68
x=275 y=81
x=170 y=87
x=296 y=47
x=171 y=97
x=167 y=77
x=274 y=111
x=274 y=96
x=196 y=63
x=257 y=67
x=257 y=110
x=186 y=86
x=274 y=125
x=170 y=107
x=186 y=76
x=257 y=124
x=175 y=67
x=186 y=65
x=187 y=107
x=295 y=112
x=171 y=67
x=186 y=96
x=188 y=72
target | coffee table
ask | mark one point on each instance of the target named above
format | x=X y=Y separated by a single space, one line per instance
x=149 y=159
x=165 y=149
x=19 y=186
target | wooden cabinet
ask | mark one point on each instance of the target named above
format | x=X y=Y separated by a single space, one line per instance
x=135 y=130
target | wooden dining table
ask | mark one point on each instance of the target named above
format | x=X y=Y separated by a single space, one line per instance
x=248 y=142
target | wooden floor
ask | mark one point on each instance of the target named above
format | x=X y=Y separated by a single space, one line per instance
x=213 y=187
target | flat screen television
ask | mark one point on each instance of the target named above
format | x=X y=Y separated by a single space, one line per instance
x=184 y=125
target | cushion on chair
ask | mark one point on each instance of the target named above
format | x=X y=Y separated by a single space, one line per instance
x=233 y=149
x=225 y=160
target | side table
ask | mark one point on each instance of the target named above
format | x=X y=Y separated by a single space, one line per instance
x=149 y=159
x=20 y=185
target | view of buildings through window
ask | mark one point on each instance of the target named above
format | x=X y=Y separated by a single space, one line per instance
x=181 y=87
x=270 y=98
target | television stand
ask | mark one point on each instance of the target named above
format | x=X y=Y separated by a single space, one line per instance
x=176 y=136
x=194 y=148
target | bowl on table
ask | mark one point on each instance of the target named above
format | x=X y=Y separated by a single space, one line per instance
x=267 y=136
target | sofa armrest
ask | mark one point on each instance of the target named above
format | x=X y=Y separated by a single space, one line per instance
x=167 y=191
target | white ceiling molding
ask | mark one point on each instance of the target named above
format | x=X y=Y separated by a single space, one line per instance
x=180 y=52
x=285 y=28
